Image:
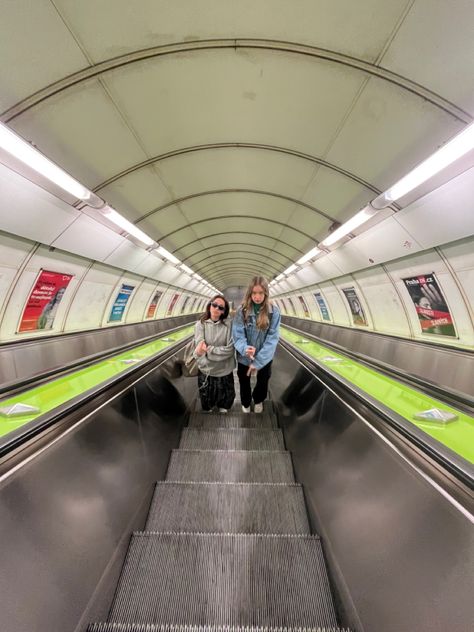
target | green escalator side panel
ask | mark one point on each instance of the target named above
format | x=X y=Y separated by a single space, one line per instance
x=59 y=391
x=407 y=402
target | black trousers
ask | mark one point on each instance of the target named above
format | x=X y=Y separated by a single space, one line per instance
x=216 y=391
x=260 y=391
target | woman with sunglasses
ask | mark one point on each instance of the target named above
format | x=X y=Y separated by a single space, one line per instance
x=256 y=330
x=215 y=355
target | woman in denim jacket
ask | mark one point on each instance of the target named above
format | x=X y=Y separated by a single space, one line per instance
x=255 y=329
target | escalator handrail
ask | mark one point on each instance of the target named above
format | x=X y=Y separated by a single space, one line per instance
x=21 y=435
x=452 y=462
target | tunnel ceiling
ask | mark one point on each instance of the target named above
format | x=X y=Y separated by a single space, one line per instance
x=236 y=133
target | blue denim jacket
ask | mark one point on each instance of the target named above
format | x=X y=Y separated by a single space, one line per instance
x=248 y=335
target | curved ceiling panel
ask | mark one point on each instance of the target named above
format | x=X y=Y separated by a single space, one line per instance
x=225 y=128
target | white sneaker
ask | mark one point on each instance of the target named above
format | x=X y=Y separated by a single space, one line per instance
x=245 y=409
x=258 y=408
x=222 y=410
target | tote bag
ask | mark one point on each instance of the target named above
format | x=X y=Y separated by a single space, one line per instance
x=190 y=366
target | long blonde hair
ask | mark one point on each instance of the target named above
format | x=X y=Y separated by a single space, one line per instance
x=263 y=318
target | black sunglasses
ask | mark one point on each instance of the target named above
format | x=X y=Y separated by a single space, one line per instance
x=221 y=308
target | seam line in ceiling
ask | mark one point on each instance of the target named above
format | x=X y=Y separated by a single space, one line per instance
x=192 y=196
x=239 y=251
x=230 y=217
x=263 y=44
x=236 y=145
x=237 y=232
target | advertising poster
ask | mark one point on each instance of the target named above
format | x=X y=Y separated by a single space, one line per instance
x=44 y=300
x=321 y=303
x=358 y=314
x=304 y=306
x=120 y=303
x=431 y=308
x=185 y=304
x=174 y=298
x=150 y=313
x=193 y=305
x=285 y=308
x=292 y=305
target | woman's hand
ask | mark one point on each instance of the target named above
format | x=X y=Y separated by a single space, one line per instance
x=201 y=349
x=252 y=370
x=250 y=352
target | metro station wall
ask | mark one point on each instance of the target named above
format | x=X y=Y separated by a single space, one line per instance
x=386 y=302
x=89 y=297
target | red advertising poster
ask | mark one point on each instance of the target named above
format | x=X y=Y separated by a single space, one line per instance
x=304 y=306
x=150 y=313
x=43 y=302
x=172 y=304
x=430 y=304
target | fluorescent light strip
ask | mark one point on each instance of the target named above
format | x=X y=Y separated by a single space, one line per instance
x=446 y=155
x=127 y=226
x=167 y=255
x=280 y=277
x=309 y=255
x=186 y=269
x=291 y=269
x=26 y=153
x=359 y=218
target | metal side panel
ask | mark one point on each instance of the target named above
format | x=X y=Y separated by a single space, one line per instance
x=66 y=515
x=400 y=552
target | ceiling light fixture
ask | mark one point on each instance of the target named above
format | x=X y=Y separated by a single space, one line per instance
x=354 y=222
x=291 y=269
x=309 y=255
x=167 y=255
x=442 y=158
x=123 y=223
x=184 y=267
x=30 y=156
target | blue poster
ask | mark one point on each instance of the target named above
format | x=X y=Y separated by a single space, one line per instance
x=120 y=303
x=322 y=306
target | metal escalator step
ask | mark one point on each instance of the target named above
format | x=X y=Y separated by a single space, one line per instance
x=216 y=579
x=232 y=439
x=231 y=420
x=150 y=627
x=234 y=466
x=228 y=508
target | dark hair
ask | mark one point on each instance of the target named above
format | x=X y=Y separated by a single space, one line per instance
x=224 y=314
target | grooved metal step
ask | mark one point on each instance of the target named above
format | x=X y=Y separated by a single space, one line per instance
x=237 y=466
x=209 y=579
x=231 y=420
x=228 y=508
x=150 y=627
x=231 y=439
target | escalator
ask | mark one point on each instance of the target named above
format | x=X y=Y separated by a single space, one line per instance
x=227 y=541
